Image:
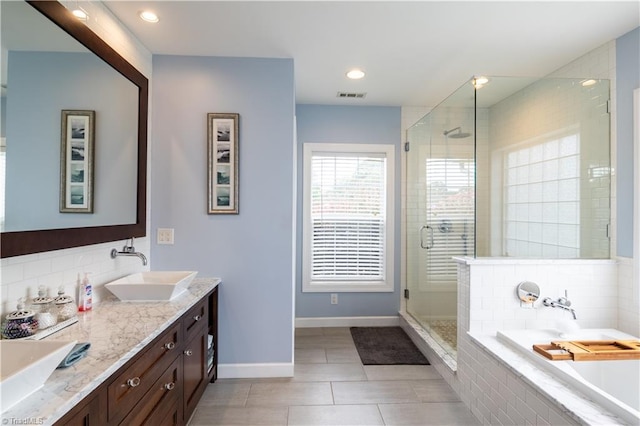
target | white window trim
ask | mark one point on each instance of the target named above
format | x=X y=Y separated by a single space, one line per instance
x=385 y=285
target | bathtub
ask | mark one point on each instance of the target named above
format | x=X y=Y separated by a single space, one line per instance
x=615 y=385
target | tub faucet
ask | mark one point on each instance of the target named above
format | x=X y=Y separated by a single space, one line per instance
x=562 y=303
x=129 y=250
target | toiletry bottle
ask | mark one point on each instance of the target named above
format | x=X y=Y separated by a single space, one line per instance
x=85 y=294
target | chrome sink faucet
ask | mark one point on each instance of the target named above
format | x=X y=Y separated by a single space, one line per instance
x=129 y=250
x=562 y=303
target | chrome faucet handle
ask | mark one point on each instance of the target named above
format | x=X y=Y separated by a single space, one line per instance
x=565 y=300
x=129 y=248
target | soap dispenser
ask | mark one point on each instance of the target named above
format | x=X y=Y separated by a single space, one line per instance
x=85 y=300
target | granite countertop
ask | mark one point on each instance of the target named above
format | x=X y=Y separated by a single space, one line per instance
x=117 y=331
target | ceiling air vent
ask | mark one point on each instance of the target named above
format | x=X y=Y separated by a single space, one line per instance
x=351 y=95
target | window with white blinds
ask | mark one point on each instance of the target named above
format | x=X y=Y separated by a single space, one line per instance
x=450 y=207
x=348 y=217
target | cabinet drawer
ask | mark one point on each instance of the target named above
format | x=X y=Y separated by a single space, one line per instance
x=130 y=386
x=167 y=415
x=163 y=395
x=195 y=319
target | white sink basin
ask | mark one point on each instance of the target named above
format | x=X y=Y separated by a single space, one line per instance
x=26 y=365
x=151 y=286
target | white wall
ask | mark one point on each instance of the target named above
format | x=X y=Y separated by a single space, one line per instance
x=22 y=275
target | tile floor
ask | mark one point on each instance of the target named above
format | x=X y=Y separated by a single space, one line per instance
x=331 y=387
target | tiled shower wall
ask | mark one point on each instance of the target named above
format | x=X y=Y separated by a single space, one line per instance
x=492 y=304
x=22 y=275
x=548 y=112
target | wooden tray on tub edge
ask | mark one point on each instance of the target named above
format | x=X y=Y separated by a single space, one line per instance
x=590 y=350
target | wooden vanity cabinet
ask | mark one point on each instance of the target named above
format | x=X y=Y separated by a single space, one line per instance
x=91 y=411
x=129 y=387
x=164 y=382
x=198 y=325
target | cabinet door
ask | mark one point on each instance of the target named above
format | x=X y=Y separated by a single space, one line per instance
x=91 y=413
x=194 y=371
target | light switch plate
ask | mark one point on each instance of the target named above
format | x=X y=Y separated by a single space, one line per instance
x=165 y=236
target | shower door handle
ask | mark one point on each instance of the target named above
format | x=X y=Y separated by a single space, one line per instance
x=430 y=246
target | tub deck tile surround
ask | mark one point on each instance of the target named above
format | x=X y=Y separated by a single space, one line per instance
x=494 y=392
x=117 y=331
x=532 y=394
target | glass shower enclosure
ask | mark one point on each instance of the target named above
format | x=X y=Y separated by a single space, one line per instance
x=516 y=167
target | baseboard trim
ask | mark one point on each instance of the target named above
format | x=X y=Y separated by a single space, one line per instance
x=347 y=322
x=250 y=371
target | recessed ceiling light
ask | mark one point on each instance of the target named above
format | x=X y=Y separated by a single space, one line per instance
x=149 y=16
x=355 y=74
x=589 y=82
x=80 y=14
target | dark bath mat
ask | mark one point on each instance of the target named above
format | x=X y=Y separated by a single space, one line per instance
x=386 y=346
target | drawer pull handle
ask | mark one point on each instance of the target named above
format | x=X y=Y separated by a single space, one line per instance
x=169 y=386
x=188 y=352
x=134 y=382
x=170 y=345
x=197 y=318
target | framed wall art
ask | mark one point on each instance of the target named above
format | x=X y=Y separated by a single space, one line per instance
x=222 y=132
x=76 y=161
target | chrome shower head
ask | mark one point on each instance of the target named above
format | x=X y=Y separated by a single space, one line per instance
x=459 y=134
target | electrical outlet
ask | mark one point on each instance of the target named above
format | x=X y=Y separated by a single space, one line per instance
x=334 y=298
x=165 y=236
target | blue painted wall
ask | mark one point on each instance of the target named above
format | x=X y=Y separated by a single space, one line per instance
x=348 y=124
x=41 y=84
x=251 y=251
x=627 y=79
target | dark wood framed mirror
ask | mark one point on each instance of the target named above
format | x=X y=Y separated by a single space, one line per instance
x=41 y=240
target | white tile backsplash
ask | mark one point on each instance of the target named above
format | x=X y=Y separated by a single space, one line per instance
x=493 y=282
x=22 y=276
